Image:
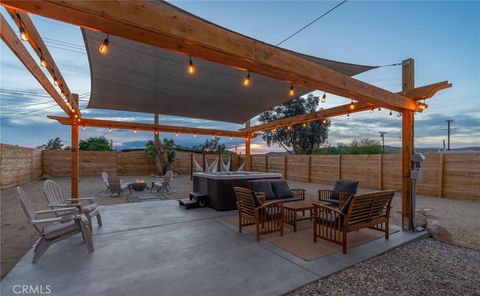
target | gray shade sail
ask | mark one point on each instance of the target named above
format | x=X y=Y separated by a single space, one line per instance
x=141 y=78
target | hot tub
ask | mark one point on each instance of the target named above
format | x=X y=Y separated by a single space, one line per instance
x=219 y=186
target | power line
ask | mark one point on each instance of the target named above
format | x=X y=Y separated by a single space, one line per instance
x=311 y=23
x=29 y=112
x=21 y=106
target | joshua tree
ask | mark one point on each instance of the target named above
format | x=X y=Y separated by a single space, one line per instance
x=163 y=153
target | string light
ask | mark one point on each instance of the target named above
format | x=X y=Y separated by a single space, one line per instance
x=324 y=98
x=176 y=134
x=274 y=130
x=246 y=80
x=348 y=115
x=191 y=67
x=76 y=116
x=109 y=129
x=292 y=91
x=352 y=106
x=289 y=127
x=379 y=109
x=84 y=127
x=134 y=131
x=194 y=135
x=56 y=81
x=103 y=49
x=422 y=106
x=63 y=94
x=390 y=115
x=231 y=138
x=156 y=132
x=371 y=110
x=304 y=125
x=324 y=121
x=23 y=34
x=43 y=62
x=68 y=103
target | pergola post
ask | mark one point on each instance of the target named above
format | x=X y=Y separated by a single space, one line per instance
x=248 y=157
x=156 y=136
x=408 y=83
x=75 y=160
x=75 y=156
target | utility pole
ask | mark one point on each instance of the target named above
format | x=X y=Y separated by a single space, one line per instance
x=449 y=121
x=382 y=135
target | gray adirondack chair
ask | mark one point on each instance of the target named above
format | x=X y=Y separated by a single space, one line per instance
x=105 y=181
x=56 y=199
x=164 y=184
x=117 y=186
x=55 y=229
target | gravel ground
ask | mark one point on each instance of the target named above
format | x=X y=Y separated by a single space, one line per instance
x=424 y=267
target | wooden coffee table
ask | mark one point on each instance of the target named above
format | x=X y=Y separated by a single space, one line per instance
x=291 y=210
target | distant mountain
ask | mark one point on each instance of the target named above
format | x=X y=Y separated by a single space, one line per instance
x=393 y=149
x=186 y=143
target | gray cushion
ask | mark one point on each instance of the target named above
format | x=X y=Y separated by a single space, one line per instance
x=344 y=186
x=256 y=200
x=346 y=205
x=281 y=189
x=263 y=186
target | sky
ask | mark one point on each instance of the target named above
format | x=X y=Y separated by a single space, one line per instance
x=442 y=36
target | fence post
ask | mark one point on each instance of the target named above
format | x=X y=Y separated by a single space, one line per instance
x=285 y=167
x=309 y=179
x=440 y=175
x=339 y=164
x=380 y=171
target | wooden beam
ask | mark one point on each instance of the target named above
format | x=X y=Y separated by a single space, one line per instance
x=90 y=122
x=75 y=163
x=313 y=116
x=163 y=25
x=17 y=47
x=419 y=93
x=22 y=19
x=407 y=147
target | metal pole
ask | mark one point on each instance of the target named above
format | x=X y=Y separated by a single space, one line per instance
x=382 y=135
x=449 y=121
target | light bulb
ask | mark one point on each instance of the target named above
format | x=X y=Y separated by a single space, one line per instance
x=304 y=125
x=348 y=116
x=191 y=67
x=134 y=131
x=176 y=134
x=292 y=91
x=109 y=129
x=379 y=109
x=56 y=81
x=324 y=121
x=289 y=127
x=23 y=34
x=352 y=106
x=371 y=110
x=231 y=138
x=246 y=80
x=324 y=98
x=84 y=127
x=103 y=49
x=390 y=115
x=194 y=135
x=43 y=62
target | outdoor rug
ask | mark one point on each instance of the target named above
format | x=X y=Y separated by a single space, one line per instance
x=301 y=243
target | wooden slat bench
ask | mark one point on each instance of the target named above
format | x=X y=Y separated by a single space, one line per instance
x=369 y=210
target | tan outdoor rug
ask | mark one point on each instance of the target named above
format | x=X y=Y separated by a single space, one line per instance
x=301 y=243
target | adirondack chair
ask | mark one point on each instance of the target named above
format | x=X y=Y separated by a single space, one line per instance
x=164 y=184
x=55 y=229
x=56 y=199
x=105 y=181
x=117 y=186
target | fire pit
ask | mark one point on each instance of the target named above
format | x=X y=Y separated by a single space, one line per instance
x=139 y=185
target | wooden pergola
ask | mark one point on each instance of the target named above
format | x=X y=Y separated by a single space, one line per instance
x=152 y=24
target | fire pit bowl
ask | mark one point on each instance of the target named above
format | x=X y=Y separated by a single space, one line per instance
x=139 y=185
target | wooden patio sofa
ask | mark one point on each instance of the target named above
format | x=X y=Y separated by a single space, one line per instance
x=371 y=210
x=266 y=216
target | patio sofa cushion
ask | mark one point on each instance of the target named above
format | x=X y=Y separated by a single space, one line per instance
x=263 y=186
x=281 y=189
x=346 y=205
x=344 y=186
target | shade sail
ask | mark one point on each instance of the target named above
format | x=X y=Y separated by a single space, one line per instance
x=142 y=78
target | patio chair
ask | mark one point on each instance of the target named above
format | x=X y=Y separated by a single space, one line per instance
x=342 y=190
x=55 y=229
x=371 y=210
x=164 y=184
x=105 y=181
x=267 y=217
x=116 y=186
x=56 y=199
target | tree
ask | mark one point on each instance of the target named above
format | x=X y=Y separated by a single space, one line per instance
x=95 y=144
x=164 y=154
x=364 y=146
x=211 y=145
x=303 y=138
x=52 y=144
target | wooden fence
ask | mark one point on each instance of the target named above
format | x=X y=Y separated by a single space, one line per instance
x=19 y=165
x=444 y=175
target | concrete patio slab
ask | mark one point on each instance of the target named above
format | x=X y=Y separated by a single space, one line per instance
x=157 y=248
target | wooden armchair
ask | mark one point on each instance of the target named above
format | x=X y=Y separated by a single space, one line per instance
x=325 y=194
x=55 y=229
x=56 y=199
x=266 y=216
x=340 y=193
x=371 y=210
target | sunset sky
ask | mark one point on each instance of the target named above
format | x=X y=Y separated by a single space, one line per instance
x=443 y=37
